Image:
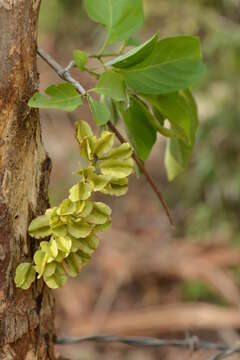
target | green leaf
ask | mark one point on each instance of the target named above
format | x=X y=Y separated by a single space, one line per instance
x=133 y=41
x=80 y=58
x=111 y=84
x=62 y=96
x=177 y=152
x=177 y=109
x=141 y=132
x=117 y=169
x=158 y=124
x=175 y=64
x=100 y=111
x=104 y=144
x=122 y=18
x=25 y=275
x=39 y=227
x=134 y=56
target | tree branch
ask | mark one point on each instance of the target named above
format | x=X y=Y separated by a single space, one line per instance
x=64 y=74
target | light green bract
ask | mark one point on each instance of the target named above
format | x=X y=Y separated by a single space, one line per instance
x=72 y=227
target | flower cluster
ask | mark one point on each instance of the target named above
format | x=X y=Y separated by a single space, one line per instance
x=73 y=226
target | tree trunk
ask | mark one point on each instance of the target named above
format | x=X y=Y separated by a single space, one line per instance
x=26 y=317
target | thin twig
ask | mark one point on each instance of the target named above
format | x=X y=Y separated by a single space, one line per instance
x=191 y=343
x=64 y=74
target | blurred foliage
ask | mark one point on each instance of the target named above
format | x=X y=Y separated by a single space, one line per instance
x=196 y=290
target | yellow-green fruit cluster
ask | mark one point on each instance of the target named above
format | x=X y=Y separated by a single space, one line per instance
x=72 y=227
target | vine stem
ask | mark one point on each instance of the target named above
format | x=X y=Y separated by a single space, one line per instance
x=64 y=74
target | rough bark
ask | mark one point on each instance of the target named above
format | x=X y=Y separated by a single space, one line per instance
x=26 y=317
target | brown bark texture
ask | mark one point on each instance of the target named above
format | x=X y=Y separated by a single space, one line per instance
x=26 y=317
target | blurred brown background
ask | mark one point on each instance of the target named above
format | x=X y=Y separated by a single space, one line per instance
x=147 y=278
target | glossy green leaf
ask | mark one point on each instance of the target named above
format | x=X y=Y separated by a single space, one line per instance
x=111 y=84
x=122 y=18
x=175 y=64
x=117 y=168
x=100 y=112
x=136 y=55
x=39 y=227
x=141 y=132
x=177 y=152
x=25 y=275
x=62 y=96
x=80 y=58
x=104 y=144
